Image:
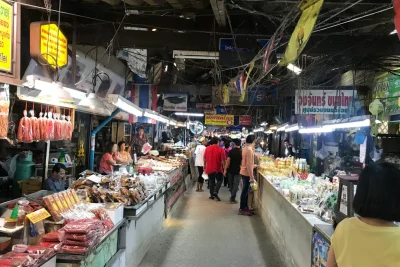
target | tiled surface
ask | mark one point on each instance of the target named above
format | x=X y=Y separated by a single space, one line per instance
x=203 y=232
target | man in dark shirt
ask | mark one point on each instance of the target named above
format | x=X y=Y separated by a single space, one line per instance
x=232 y=169
x=55 y=182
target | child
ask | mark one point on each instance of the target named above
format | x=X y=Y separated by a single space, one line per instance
x=372 y=238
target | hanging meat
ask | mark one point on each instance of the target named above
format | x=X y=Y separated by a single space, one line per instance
x=69 y=128
x=57 y=127
x=24 y=133
x=50 y=126
x=35 y=126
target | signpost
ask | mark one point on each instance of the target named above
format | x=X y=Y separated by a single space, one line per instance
x=221 y=120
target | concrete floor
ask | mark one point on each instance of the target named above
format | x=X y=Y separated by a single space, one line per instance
x=204 y=232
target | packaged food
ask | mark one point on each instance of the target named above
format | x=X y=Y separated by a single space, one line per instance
x=87 y=244
x=24 y=133
x=52 y=207
x=75 y=196
x=67 y=200
x=63 y=202
x=35 y=126
x=57 y=127
x=59 y=204
x=48 y=244
x=74 y=249
x=53 y=237
x=82 y=226
x=50 y=126
x=82 y=237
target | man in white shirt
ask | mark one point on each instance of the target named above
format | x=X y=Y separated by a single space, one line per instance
x=199 y=162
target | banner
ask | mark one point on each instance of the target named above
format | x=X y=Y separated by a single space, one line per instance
x=245 y=120
x=175 y=102
x=387 y=88
x=6 y=29
x=324 y=101
x=222 y=120
x=302 y=32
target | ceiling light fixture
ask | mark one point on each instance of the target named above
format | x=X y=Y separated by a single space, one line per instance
x=174 y=64
x=264 y=123
x=350 y=123
x=93 y=103
x=189 y=114
x=154 y=30
x=154 y=116
x=125 y=105
x=256 y=130
x=292 y=128
x=282 y=128
x=166 y=68
x=268 y=132
x=294 y=68
x=315 y=130
x=195 y=54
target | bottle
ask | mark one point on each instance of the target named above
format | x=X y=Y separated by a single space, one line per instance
x=134 y=155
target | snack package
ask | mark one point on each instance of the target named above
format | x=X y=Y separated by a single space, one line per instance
x=84 y=226
x=48 y=244
x=67 y=200
x=50 y=126
x=82 y=237
x=63 y=201
x=102 y=214
x=87 y=244
x=53 y=237
x=52 y=207
x=57 y=127
x=73 y=249
x=61 y=207
x=24 y=133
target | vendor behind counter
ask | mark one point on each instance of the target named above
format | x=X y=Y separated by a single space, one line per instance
x=55 y=182
x=138 y=140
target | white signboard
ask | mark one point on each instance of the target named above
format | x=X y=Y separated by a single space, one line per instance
x=323 y=101
x=175 y=102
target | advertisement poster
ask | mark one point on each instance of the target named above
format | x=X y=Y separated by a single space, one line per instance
x=320 y=248
x=386 y=87
x=6 y=28
x=175 y=102
x=222 y=120
x=324 y=101
x=245 y=120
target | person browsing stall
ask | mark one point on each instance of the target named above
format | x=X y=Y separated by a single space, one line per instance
x=232 y=169
x=199 y=162
x=370 y=239
x=139 y=140
x=123 y=157
x=214 y=161
x=54 y=182
x=109 y=158
x=247 y=173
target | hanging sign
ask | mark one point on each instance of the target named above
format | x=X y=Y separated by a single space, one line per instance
x=386 y=88
x=6 y=27
x=323 y=101
x=175 y=102
x=222 y=120
x=48 y=45
x=245 y=120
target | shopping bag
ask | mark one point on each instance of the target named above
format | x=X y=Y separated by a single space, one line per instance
x=205 y=176
x=254 y=186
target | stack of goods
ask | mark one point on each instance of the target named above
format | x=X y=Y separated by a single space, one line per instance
x=122 y=189
x=160 y=163
x=82 y=235
x=280 y=169
x=301 y=169
x=27 y=256
x=49 y=126
x=58 y=204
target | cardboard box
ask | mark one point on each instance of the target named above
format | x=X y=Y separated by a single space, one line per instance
x=115 y=211
x=31 y=185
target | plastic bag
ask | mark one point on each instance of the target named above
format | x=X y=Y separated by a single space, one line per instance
x=146 y=148
x=254 y=186
x=24 y=133
x=84 y=226
x=35 y=126
x=73 y=249
x=205 y=176
x=10 y=165
x=87 y=244
x=50 y=126
x=53 y=237
x=82 y=237
x=69 y=128
x=48 y=244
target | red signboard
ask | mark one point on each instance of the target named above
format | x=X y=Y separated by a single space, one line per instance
x=245 y=120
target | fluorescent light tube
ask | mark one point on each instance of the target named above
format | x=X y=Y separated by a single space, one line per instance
x=294 y=68
x=125 y=105
x=349 y=124
x=154 y=116
x=75 y=93
x=172 y=122
x=292 y=128
x=315 y=130
x=261 y=129
x=268 y=132
x=189 y=114
x=282 y=128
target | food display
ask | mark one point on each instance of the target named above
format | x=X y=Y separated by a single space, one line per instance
x=48 y=126
x=4 y=109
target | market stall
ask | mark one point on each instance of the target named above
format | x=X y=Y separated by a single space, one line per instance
x=294 y=205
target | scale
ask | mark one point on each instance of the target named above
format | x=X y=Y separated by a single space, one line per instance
x=344 y=205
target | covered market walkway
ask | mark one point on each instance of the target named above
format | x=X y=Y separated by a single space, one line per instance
x=204 y=232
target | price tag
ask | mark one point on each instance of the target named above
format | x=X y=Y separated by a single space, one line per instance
x=38 y=215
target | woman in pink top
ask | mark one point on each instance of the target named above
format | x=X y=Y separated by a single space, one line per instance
x=246 y=171
x=109 y=158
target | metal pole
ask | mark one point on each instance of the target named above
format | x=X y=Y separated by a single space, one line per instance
x=93 y=137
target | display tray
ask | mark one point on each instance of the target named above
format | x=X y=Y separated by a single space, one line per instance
x=80 y=257
x=136 y=210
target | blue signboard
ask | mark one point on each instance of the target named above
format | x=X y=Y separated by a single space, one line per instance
x=261 y=96
x=227 y=44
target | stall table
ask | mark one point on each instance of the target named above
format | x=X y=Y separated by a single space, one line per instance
x=291 y=230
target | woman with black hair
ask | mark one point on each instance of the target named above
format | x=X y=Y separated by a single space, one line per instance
x=109 y=158
x=371 y=238
x=123 y=157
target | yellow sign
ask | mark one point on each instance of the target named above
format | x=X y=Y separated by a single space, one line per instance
x=6 y=26
x=53 y=46
x=222 y=120
x=302 y=32
x=38 y=216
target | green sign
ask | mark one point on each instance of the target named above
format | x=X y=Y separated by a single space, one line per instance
x=387 y=88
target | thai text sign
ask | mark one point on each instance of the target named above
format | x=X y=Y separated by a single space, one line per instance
x=323 y=101
x=222 y=120
x=245 y=120
x=48 y=44
x=386 y=87
x=6 y=27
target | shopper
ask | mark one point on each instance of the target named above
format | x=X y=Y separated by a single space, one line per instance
x=199 y=162
x=289 y=149
x=371 y=238
x=109 y=158
x=214 y=160
x=246 y=171
x=55 y=183
x=232 y=169
x=227 y=149
x=123 y=157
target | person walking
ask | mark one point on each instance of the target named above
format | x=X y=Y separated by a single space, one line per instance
x=227 y=149
x=371 y=238
x=214 y=161
x=246 y=171
x=199 y=162
x=232 y=169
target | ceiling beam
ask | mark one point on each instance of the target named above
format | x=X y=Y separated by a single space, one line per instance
x=218 y=7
